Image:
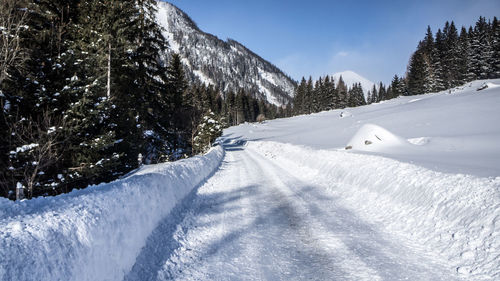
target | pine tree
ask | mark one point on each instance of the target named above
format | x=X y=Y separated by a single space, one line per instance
x=463 y=56
x=397 y=87
x=374 y=95
x=419 y=73
x=208 y=131
x=299 y=98
x=481 y=50
x=452 y=57
x=356 y=97
x=382 y=92
x=328 y=95
x=437 y=62
x=308 y=96
x=342 y=94
x=472 y=67
x=495 y=42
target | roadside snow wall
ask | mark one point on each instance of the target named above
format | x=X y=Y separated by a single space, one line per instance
x=95 y=233
x=454 y=216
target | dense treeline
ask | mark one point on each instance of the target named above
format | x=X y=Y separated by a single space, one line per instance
x=441 y=61
x=87 y=95
x=451 y=58
x=324 y=94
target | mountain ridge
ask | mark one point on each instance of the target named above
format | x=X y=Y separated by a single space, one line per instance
x=228 y=65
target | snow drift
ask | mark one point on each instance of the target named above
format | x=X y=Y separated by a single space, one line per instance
x=96 y=233
x=454 y=216
x=375 y=138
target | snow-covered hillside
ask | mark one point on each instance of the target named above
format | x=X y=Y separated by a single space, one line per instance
x=454 y=131
x=406 y=189
x=227 y=65
x=351 y=77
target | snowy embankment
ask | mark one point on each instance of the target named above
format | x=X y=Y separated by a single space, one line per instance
x=454 y=216
x=96 y=233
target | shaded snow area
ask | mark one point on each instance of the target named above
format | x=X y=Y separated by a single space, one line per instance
x=407 y=189
x=96 y=233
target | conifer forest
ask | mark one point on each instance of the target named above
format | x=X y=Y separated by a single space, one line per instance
x=87 y=95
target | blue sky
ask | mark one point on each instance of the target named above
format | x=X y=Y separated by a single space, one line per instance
x=318 y=37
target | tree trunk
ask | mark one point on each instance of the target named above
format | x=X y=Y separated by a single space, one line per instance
x=109 y=71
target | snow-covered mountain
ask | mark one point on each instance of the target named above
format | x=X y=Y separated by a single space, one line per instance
x=351 y=77
x=225 y=64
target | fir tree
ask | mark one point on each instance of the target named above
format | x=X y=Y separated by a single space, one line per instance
x=437 y=62
x=208 y=131
x=495 y=43
x=463 y=56
x=452 y=57
x=481 y=50
x=342 y=94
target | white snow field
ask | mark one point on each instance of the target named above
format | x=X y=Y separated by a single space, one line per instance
x=415 y=197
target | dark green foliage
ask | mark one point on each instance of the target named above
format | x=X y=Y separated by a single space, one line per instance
x=325 y=95
x=356 y=97
x=92 y=93
x=452 y=59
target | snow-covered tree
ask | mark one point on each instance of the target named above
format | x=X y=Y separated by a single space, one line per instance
x=208 y=131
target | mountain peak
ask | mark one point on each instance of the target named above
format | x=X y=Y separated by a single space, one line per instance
x=227 y=65
x=350 y=77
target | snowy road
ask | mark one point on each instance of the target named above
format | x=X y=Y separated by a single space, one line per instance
x=254 y=220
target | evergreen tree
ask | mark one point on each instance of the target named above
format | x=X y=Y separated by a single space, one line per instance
x=437 y=62
x=419 y=73
x=463 y=56
x=299 y=99
x=208 y=131
x=495 y=44
x=452 y=57
x=308 y=96
x=342 y=94
x=374 y=95
x=481 y=50
x=329 y=94
x=382 y=92
x=397 y=88
x=356 y=96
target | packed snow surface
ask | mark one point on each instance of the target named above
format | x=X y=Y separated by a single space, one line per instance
x=416 y=196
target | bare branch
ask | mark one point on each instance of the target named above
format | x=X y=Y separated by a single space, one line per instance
x=13 y=19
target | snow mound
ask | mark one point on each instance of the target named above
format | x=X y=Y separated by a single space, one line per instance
x=95 y=233
x=374 y=138
x=492 y=85
x=345 y=114
x=488 y=85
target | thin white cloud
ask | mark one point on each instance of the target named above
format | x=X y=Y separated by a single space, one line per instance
x=342 y=54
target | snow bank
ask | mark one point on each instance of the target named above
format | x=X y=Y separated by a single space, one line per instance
x=96 y=233
x=454 y=216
